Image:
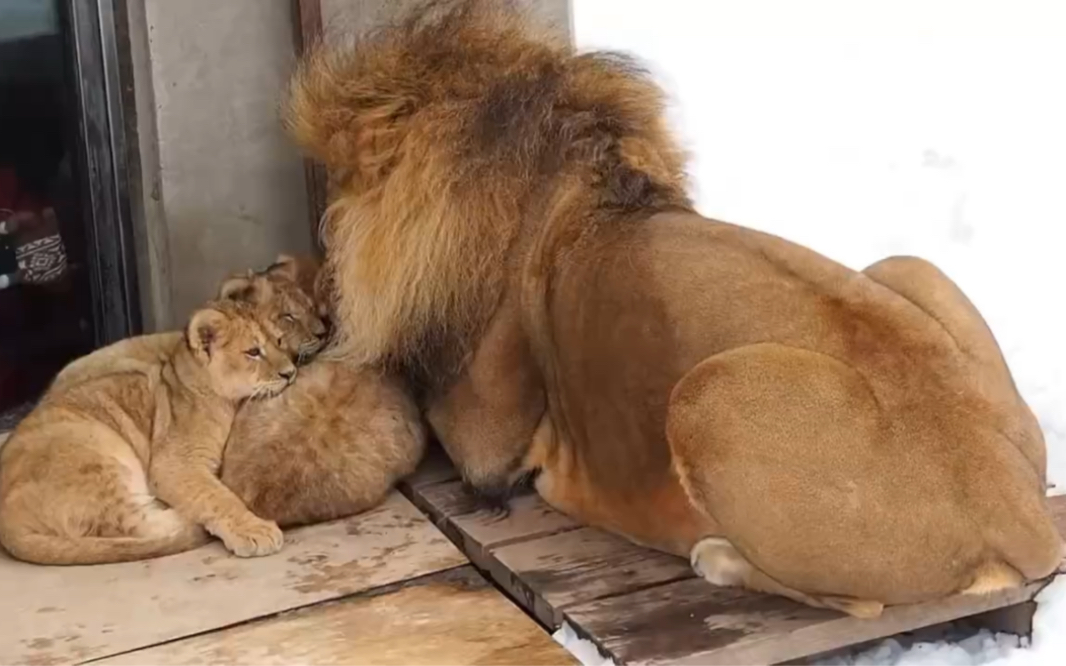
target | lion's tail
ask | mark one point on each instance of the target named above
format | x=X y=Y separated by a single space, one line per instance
x=66 y=549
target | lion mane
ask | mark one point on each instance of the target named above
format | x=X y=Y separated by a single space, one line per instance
x=443 y=132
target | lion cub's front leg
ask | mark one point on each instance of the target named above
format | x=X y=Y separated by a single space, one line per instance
x=190 y=486
x=184 y=474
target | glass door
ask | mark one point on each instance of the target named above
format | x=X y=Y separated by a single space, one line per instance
x=66 y=265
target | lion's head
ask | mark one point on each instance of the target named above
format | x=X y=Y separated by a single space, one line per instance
x=241 y=359
x=284 y=304
x=455 y=139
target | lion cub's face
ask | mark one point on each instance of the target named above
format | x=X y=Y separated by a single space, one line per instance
x=285 y=308
x=241 y=358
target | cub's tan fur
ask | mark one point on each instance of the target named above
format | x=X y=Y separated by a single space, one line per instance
x=511 y=228
x=283 y=295
x=85 y=476
x=332 y=445
x=281 y=302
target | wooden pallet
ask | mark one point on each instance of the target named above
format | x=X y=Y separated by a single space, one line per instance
x=644 y=607
x=382 y=587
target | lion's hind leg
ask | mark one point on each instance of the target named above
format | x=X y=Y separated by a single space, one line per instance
x=789 y=452
x=718 y=562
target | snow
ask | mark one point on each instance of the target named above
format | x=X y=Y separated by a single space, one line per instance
x=582 y=648
x=862 y=130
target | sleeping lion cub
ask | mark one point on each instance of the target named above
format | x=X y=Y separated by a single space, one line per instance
x=332 y=445
x=283 y=306
x=84 y=477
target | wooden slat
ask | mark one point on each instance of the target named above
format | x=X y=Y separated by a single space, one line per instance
x=529 y=517
x=58 y=615
x=642 y=606
x=451 y=618
x=586 y=564
x=691 y=622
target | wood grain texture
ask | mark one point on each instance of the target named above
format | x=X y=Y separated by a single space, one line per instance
x=644 y=607
x=451 y=618
x=692 y=622
x=582 y=565
x=60 y=615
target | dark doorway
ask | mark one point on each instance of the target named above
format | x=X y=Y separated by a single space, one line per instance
x=66 y=281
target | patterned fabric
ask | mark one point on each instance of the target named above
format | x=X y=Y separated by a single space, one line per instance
x=33 y=230
x=43 y=260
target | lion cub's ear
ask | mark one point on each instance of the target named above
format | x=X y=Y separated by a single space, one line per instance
x=206 y=328
x=301 y=269
x=285 y=266
x=244 y=288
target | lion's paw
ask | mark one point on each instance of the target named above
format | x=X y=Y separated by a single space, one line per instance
x=252 y=537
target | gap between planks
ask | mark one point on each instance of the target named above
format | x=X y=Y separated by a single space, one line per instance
x=457 y=617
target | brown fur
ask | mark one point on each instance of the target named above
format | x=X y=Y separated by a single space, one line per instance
x=511 y=227
x=332 y=445
x=85 y=476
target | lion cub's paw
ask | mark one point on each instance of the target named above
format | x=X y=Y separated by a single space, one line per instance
x=252 y=537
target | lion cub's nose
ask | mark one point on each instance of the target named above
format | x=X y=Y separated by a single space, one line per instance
x=288 y=374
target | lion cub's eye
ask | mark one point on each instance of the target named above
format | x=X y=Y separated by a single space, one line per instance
x=288 y=317
x=254 y=353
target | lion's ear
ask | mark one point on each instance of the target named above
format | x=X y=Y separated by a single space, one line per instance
x=244 y=288
x=206 y=328
x=285 y=266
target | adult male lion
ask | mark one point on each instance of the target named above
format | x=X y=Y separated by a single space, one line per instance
x=510 y=226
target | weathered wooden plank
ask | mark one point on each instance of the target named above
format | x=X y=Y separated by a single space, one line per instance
x=582 y=565
x=59 y=615
x=451 y=618
x=529 y=517
x=646 y=607
x=692 y=622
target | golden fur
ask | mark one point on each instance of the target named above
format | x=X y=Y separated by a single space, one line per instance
x=281 y=304
x=282 y=295
x=124 y=466
x=510 y=227
x=332 y=445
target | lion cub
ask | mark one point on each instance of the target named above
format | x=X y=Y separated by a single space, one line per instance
x=284 y=308
x=330 y=446
x=85 y=476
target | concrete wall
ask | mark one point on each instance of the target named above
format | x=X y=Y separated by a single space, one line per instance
x=220 y=187
x=224 y=189
x=355 y=16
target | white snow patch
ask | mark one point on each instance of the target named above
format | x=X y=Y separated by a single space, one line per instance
x=1047 y=646
x=583 y=649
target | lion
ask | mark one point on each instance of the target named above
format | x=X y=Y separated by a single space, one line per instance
x=332 y=445
x=124 y=466
x=510 y=227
